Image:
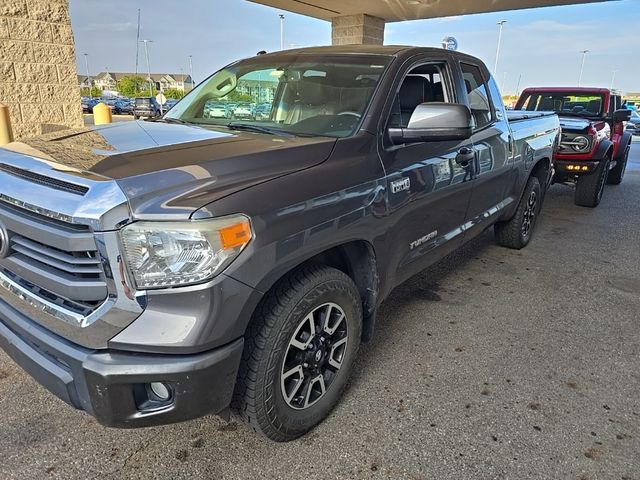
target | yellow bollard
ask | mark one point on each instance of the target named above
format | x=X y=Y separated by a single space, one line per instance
x=101 y=114
x=6 y=133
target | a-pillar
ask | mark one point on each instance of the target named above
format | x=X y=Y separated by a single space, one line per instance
x=357 y=29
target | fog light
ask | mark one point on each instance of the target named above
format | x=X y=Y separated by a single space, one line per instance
x=160 y=390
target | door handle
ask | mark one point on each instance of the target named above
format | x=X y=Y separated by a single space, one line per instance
x=464 y=156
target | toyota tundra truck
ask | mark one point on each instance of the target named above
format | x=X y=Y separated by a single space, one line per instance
x=157 y=271
x=594 y=146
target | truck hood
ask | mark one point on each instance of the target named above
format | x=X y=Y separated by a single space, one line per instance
x=170 y=170
x=573 y=124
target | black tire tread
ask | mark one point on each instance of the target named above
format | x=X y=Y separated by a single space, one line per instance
x=617 y=173
x=508 y=233
x=586 y=194
x=246 y=402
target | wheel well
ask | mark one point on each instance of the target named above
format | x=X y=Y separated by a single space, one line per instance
x=356 y=259
x=541 y=172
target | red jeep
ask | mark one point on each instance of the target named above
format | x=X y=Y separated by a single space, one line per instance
x=594 y=146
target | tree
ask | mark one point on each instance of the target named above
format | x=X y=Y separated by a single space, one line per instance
x=173 y=93
x=238 y=97
x=131 y=86
x=95 y=92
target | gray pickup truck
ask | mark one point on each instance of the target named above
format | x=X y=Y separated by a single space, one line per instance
x=152 y=272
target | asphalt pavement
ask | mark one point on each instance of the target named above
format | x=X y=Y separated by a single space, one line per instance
x=493 y=364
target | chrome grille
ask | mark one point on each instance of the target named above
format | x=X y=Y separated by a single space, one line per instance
x=56 y=260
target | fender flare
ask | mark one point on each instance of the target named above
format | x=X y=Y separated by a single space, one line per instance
x=625 y=141
x=603 y=148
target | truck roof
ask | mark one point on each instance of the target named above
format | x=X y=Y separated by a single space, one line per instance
x=387 y=50
x=565 y=89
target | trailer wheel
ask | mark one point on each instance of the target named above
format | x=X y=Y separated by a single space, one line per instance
x=589 y=188
x=299 y=352
x=517 y=232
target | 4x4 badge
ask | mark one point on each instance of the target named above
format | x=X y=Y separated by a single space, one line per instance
x=400 y=185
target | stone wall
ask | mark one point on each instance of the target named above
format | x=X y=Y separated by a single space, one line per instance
x=357 y=29
x=37 y=66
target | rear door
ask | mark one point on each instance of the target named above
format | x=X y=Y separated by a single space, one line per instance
x=427 y=190
x=495 y=173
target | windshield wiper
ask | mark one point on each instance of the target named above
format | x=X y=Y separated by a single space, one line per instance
x=258 y=128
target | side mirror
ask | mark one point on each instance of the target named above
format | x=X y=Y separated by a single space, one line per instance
x=622 y=115
x=437 y=122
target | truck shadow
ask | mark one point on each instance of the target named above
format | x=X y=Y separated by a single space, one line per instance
x=421 y=288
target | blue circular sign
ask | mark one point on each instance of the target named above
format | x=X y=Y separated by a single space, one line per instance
x=450 y=43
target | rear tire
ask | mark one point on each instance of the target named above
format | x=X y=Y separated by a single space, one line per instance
x=517 y=232
x=268 y=397
x=616 y=174
x=589 y=188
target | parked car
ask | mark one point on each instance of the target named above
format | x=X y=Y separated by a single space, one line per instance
x=263 y=112
x=216 y=110
x=200 y=264
x=244 y=112
x=88 y=104
x=594 y=148
x=145 y=107
x=169 y=104
x=633 y=126
x=123 y=107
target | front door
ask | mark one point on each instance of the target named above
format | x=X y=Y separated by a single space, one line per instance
x=428 y=191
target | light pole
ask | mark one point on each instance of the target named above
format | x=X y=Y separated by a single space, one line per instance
x=191 y=70
x=500 y=24
x=584 y=55
x=613 y=78
x=137 y=43
x=146 y=53
x=86 y=64
x=281 y=31
x=518 y=85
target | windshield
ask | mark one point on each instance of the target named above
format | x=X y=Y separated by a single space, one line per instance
x=565 y=103
x=294 y=95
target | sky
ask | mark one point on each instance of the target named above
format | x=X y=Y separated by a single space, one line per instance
x=540 y=47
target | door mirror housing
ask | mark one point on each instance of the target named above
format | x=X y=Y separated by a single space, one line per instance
x=622 y=115
x=435 y=122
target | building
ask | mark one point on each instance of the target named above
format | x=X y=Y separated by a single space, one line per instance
x=162 y=81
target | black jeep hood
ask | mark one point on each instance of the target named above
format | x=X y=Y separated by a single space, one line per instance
x=172 y=170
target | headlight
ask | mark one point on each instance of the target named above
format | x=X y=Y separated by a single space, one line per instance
x=577 y=143
x=166 y=254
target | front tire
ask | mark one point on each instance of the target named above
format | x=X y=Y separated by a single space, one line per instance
x=589 y=188
x=616 y=174
x=517 y=232
x=299 y=352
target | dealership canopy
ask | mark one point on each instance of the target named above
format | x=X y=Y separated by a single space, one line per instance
x=362 y=21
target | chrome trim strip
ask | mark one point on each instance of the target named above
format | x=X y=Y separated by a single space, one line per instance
x=103 y=207
x=29 y=303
